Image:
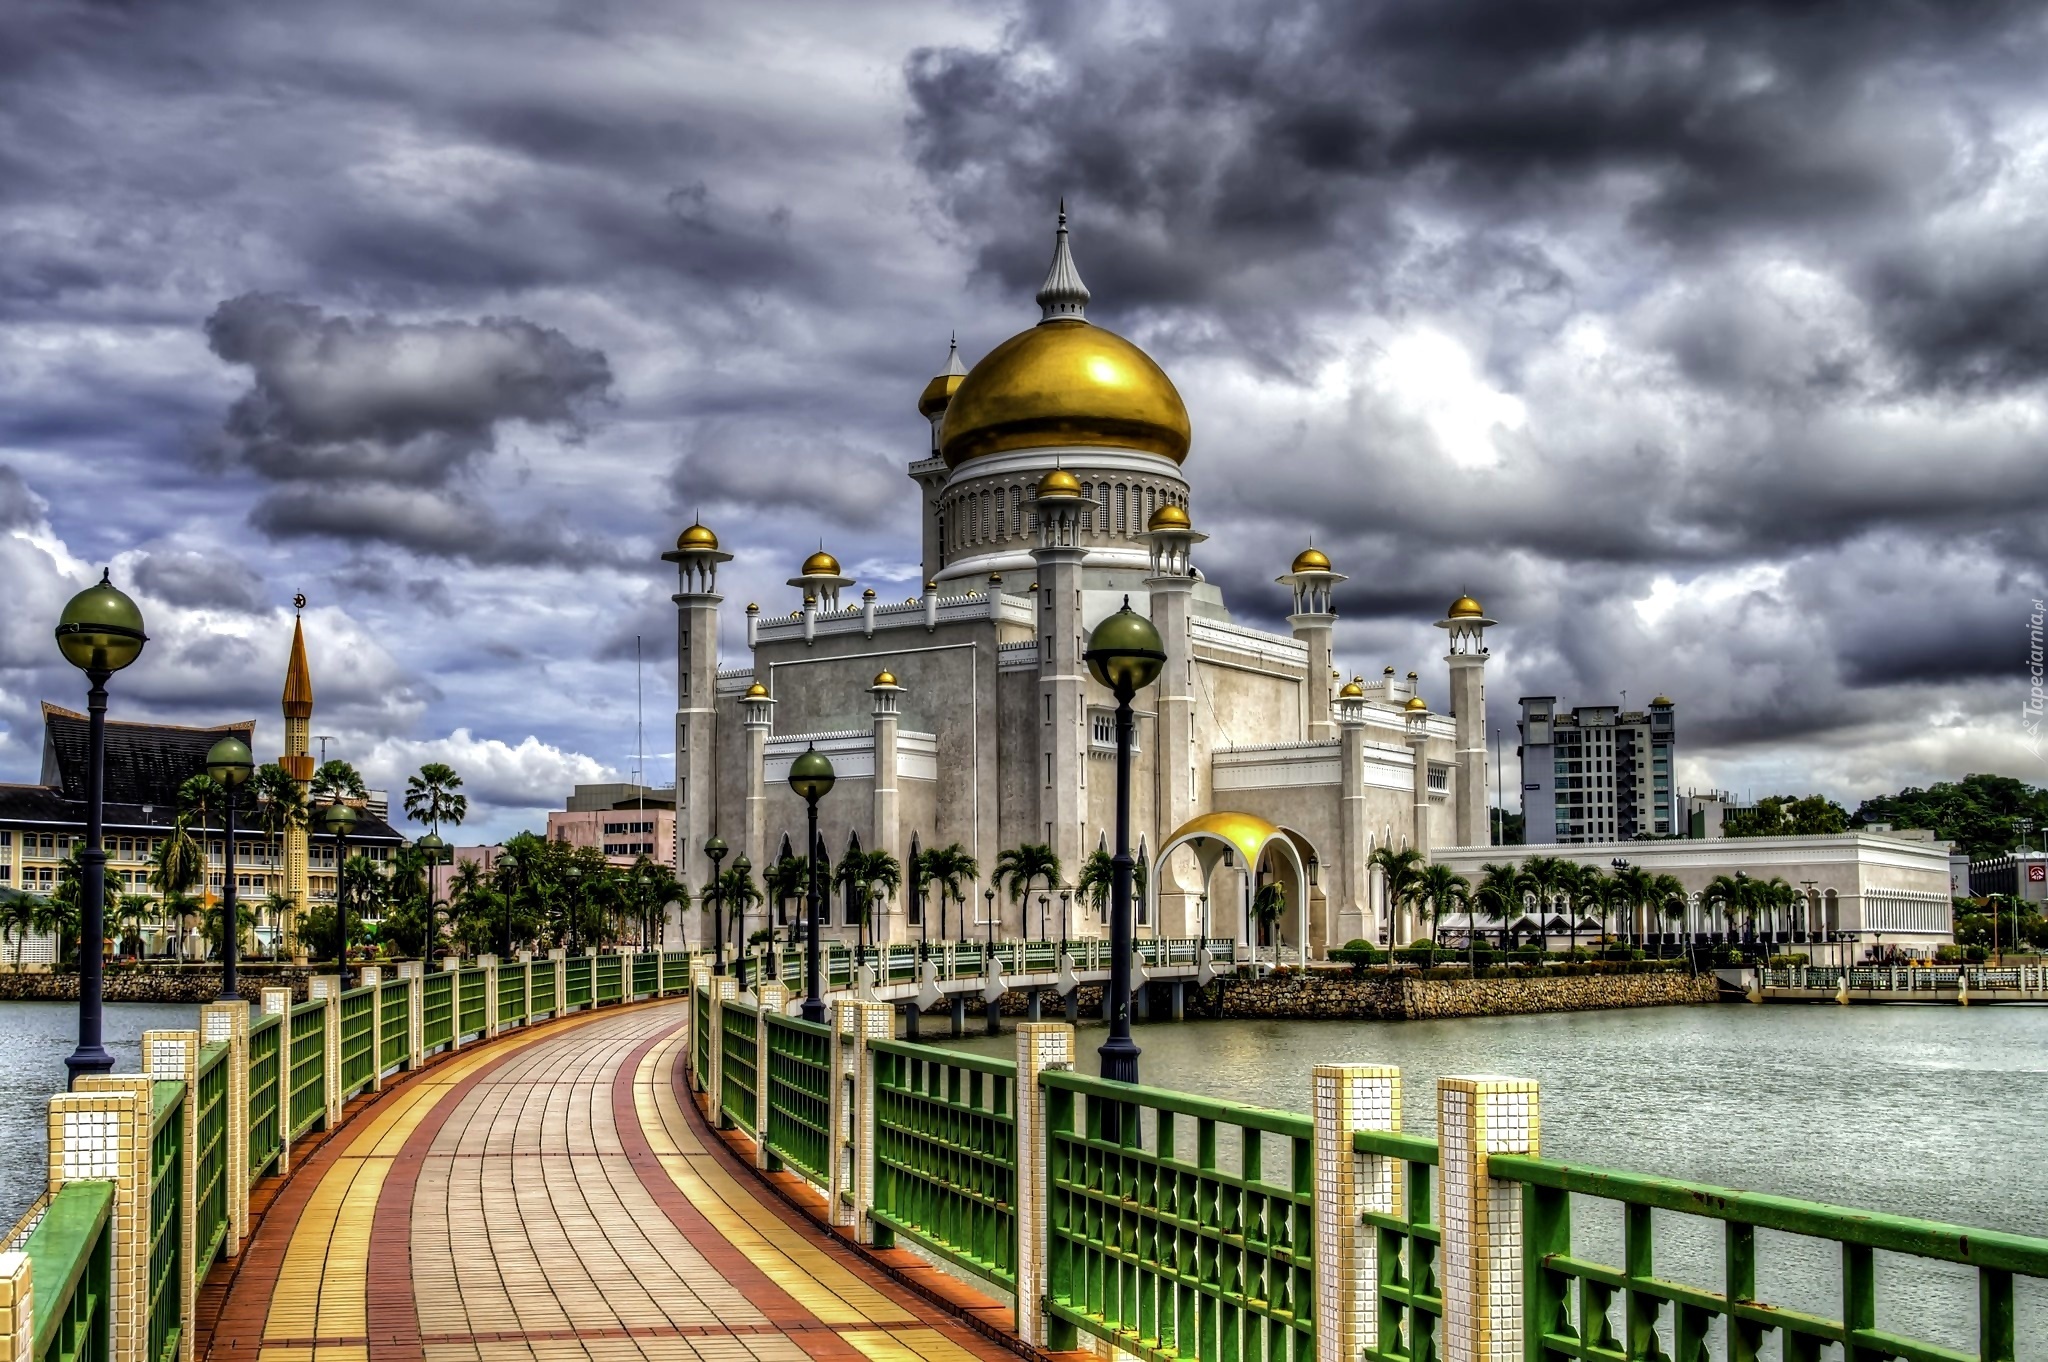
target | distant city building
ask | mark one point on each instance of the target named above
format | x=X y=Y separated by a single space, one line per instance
x=623 y=820
x=2021 y=875
x=1597 y=774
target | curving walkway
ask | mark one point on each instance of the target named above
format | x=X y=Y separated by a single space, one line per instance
x=549 y=1197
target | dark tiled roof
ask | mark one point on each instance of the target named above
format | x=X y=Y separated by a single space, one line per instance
x=41 y=804
x=146 y=763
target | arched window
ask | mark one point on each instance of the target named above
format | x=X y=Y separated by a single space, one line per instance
x=1002 y=517
x=1123 y=509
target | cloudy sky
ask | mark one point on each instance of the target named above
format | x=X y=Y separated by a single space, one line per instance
x=1706 y=343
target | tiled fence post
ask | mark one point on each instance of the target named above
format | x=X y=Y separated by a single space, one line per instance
x=101 y=1131
x=526 y=986
x=851 y=1189
x=413 y=972
x=327 y=989
x=1482 y=1216
x=1040 y=1046
x=229 y=1021
x=560 y=960
x=452 y=965
x=17 y=1309
x=724 y=988
x=1344 y=1098
x=771 y=997
x=490 y=964
x=277 y=1002
x=174 y=1056
x=372 y=978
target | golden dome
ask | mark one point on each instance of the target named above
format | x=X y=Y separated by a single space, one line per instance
x=1417 y=705
x=820 y=564
x=1352 y=690
x=1311 y=560
x=1169 y=517
x=868 y=595
x=1065 y=382
x=1661 y=701
x=937 y=394
x=757 y=691
x=885 y=678
x=1059 y=483
x=1465 y=608
x=696 y=537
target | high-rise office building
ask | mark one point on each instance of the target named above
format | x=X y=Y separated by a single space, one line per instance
x=1598 y=773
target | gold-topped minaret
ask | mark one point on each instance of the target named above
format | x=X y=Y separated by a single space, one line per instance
x=298 y=762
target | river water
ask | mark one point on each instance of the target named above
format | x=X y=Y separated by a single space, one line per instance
x=1935 y=1112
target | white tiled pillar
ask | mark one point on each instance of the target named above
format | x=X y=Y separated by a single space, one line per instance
x=851 y=1175
x=101 y=1131
x=1481 y=1216
x=414 y=974
x=326 y=988
x=560 y=959
x=526 y=969
x=724 y=988
x=277 y=1002
x=173 y=1056
x=490 y=964
x=771 y=997
x=1344 y=1098
x=452 y=965
x=229 y=1022
x=1040 y=1046
x=17 y=1309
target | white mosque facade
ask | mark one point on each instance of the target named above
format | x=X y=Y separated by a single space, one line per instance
x=1054 y=489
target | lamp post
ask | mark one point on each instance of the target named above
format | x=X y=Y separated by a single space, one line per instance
x=511 y=862
x=1633 y=936
x=338 y=819
x=810 y=776
x=1066 y=899
x=743 y=868
x=434 y=849
x=100 y=632
x=228 y=762
x=1044 y=908
x=924 y=930
x=714 y=851
x=1124 y=654
x=988 y=897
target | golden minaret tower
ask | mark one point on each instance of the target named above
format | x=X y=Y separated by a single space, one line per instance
x=298 y=762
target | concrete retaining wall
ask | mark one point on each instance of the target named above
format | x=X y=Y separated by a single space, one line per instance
x=1395 y=997
x=192 y=984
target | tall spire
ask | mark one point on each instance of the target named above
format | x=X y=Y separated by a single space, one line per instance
x=298 y=677
x=953 y=364
x=1062 y=294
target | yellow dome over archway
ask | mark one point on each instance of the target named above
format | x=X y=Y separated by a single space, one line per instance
x=821 y=564
x=1065 y=382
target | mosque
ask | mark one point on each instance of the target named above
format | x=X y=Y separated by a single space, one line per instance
x=1054 y=488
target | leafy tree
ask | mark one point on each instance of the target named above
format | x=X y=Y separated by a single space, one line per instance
x=203 y=800
x=1787 y=816
x=1507 y=828
x=865 y=877
x=1269 y=904
x=213 y=924
x=127 y=916
x=278 y=906
x=736 y=893
x=337 y=779
x=1019 y=866
x=1398 y=872
x=788 y=882
x=320 y=930
x=18 y=922
x=1980 y=813
x=434 y=797
x=176 y=866
x=1437 y=890
x=947 y=869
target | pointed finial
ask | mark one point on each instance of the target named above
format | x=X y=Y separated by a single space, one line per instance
x=299 y=601
x=1062 y=295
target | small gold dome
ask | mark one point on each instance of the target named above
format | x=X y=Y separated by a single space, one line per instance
x=1411 y=676
x=1311 y=560
x=753 y=607
x=1662 y=701
x=1352 y=690
x=868 y=595
x=1059 y=483
x=820 y=564
x=696 y=537
x=1465 y=608
x=1388 y=670
x=937 y=394
x=757 y=691
x=1417 y=705
x=885 y=678
x=1169 y=517
x=1065 y=382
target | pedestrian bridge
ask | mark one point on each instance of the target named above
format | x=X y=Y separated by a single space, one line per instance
x=615 y=1157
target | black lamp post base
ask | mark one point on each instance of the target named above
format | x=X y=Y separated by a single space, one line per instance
x=1119 y=1059
x=814 y=1010
x=84 y=1061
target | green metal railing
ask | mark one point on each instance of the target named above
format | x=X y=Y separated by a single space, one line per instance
x=1409 y=1296
x=167 y=1154
x=1155 y=1247
x=675 y=971
x=610 y=979
x=71 y=1268
x=544 y=989
x=797 y=1126
x=358 y=1040
x=700 y=1032
x=512 y=993
x=646 y=975
x=1571 y=1301
x=210 y=1159
x=394 y=1025
x=266 y=1094
x=946 y=1155
x=578 y=986
x=738 y=1094
x=471 y=1006
x=437 y=1011
x=308 y=1098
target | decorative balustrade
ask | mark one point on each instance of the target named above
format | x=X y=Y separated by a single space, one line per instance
x=797 y=1126
x=1908 y=978
x=945 y=1140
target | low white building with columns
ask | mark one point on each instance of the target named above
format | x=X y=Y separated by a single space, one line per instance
x=1056 y=485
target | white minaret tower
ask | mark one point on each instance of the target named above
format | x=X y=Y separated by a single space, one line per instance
x=1172 y=584
x=1467 y=624
x=696 y=556
x=1062 y=677
x=1314 y=622
x=930 y=472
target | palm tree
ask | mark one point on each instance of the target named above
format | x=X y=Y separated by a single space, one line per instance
x=1499 y=895
x=128 y=915
x=213 y=923
x=18 y=922
x=1545 y=877
x=336 y=779
x=1632 y=886
x=58 y=916
x=1599 y=891
x=1269 y=904
x=865 y=877
x=1775 y=896
x=176 y=866
x=1668 y=897
x=1097 y=881
x=1019 y=866
x=947 y=869
x=789 y=878
x=1437 y=889
x=1398 y=870
x=653 y=886
x=735 y=891
x=432 y=797
x=278 y=906
x=279 y=804
x=202 y=798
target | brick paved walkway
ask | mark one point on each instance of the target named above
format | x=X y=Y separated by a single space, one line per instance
x=549 y=1197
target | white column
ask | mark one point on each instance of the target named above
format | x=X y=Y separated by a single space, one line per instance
x=724 y=988
x=326 y=988
x=771 y=997
x=1481 y=1216
x=1344 y=1098
x=228 y=1023
x=277 y=1002
x=1040 y=1046
x=851 y=1186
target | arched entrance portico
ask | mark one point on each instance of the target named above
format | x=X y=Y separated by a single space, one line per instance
x=1211 y=835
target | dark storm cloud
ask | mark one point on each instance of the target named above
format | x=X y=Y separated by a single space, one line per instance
x=19 y=507
x=767 y=463
x=189 y=577
x=441 y=525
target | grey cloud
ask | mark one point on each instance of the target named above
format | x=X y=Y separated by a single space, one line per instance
x=765 y=463
x=446 y=524
x=189 y=577
x=19 y=507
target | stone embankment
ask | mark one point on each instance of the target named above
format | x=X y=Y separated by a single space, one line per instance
x=1328 y=995
x=183 y=984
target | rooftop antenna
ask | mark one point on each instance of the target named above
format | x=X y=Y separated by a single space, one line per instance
x=323 y=739
x=639 y=730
